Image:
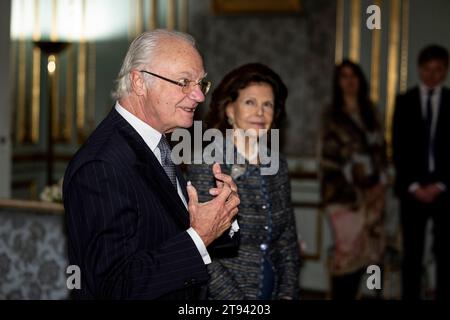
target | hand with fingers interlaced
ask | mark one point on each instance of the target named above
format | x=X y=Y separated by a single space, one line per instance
x=212 y=218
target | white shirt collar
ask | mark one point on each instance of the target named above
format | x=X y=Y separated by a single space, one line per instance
x=150 y=135
x=424 y=89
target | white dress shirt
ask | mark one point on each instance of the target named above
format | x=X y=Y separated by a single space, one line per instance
x=435 y=103
x=151 y=137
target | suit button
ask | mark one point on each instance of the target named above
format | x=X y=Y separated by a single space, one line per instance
x=263 y=247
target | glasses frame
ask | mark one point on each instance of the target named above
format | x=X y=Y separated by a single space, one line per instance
x=184 y=86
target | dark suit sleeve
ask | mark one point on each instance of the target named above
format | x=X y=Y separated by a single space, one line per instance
x=102 y=223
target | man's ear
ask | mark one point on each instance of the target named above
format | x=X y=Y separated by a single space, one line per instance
x=138 y=85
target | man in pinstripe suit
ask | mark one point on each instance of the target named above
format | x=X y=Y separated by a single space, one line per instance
x=134 y=229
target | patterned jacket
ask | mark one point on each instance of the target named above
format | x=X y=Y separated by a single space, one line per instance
x=352 y=159
x=267 y=226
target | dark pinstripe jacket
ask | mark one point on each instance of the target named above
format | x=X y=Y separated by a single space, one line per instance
x=126 y=223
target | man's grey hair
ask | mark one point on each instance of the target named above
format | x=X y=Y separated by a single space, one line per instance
x=142 y=51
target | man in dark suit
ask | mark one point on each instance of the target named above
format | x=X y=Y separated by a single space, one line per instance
x=421 y=149
x=134 y=229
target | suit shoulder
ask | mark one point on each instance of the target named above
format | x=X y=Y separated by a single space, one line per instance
x=411 y=93
x=406 y=98
x=105 y=145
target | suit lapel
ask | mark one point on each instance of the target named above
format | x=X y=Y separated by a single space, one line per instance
x=182 y=182
x=443 y=110
x=153 y=173
x=417 y=113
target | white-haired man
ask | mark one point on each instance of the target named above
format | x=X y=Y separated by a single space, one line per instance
x=134 y=229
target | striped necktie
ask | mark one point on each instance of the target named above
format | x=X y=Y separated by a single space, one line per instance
x=166 y=160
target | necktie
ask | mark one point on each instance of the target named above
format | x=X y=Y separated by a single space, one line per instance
x=429 y=116
x=166 y=160
x=429 y=123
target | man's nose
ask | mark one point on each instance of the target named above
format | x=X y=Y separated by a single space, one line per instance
x=196 y=94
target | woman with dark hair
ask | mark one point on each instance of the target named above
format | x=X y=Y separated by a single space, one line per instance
x=265 y=264
x=353 y=180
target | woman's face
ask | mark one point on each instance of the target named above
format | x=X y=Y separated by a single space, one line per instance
x=348 y=81
x=254 y=107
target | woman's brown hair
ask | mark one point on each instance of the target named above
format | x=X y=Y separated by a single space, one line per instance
x=228 y=91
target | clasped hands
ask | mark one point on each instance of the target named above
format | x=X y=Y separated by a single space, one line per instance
x=210 y=219
x=428 y=193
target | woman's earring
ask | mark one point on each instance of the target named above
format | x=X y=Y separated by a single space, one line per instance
x=230 y=121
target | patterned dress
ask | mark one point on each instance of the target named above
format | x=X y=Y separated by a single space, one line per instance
x=353 y=164
x=266 y=264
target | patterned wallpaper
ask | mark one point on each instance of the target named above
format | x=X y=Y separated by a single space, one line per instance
x=299 y=47
x=32 y=256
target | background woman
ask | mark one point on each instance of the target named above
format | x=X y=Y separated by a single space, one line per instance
x=353 y=177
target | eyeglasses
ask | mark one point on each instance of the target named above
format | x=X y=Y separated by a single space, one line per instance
x=187 y=86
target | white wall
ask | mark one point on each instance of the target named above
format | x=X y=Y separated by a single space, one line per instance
x=5 y=101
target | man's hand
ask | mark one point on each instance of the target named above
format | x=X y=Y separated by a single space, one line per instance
x=212 y=218
x=220 y=180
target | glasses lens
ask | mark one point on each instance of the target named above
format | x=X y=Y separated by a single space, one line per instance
x=205 y=85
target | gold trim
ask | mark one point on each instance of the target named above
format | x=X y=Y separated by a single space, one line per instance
x=184 y=16
x=404 y=47
x=36 y=95
x=392 y=77
x=376 y=59
x=81 y=90
x=68 y=127
x=36 y=77
x=170 y=14
x=152 y=18
x=21 y=91
x=91 y=86
x=54 y=96
x=355 y=30
x=81 y=77
x=260 y=6
x=339 y=51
